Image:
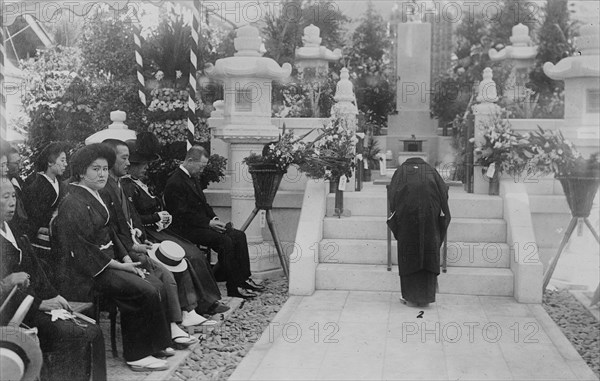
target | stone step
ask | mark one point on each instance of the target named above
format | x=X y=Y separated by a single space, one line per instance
x=458 y=280
x=462 y=205
x=371 y=227
x=374 y=252
x=548 y=204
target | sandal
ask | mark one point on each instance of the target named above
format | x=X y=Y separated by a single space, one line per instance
x=183 y=342
x=148 y=364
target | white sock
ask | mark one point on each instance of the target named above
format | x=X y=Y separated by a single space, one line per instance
x=176 y=331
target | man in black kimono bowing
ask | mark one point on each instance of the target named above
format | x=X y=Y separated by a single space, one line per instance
x=419 y=200
x=72 y=350
x=195 y=220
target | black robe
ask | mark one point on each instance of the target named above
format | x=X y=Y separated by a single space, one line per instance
x=71 y=351
x=87 y=244
x=147 y=207
x=41 y=202
x=419 y=195
x=20 y=221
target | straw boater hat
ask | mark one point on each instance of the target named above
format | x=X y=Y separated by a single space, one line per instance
x=170 y=254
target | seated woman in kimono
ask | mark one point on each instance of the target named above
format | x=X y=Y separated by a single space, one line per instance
x=42 y=197
x=155 y=225
x=71 y=350
x=92 y=260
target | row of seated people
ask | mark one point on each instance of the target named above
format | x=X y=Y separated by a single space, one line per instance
x=102 y=231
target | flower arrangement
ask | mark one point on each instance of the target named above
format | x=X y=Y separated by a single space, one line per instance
x=549 y=152
x=499 y=147
x=332 y=153
x=282 y=153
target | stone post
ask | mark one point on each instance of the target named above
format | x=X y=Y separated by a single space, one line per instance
x=485 y=111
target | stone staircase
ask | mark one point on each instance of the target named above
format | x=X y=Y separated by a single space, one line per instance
x=353 y=252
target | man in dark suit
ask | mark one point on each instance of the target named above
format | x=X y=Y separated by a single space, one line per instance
x=194 y=218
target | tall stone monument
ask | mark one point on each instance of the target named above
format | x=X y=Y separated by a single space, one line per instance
x=413 y=93
x=246 y=124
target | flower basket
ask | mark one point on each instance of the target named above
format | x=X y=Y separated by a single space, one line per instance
x=580 y=192
x=266 y=178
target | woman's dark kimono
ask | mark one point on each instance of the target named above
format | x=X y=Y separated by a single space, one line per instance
x=71 y=351
x=41 y=201
x=147 y=208
x=87 y=245
x=418 y=196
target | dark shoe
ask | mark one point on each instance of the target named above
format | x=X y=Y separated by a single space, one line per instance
x=241 y=293
x=251 y=286
x=217 y=308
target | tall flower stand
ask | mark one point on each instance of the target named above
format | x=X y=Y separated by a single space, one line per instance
x=266 y=179
x=338 y=210
x=580 y=192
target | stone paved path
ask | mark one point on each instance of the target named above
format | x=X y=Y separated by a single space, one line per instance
x=337 y=335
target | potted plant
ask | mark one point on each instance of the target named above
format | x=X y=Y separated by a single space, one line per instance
x=371 y=156
x=214 y=171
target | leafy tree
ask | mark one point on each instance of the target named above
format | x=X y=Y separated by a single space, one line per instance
x=108 y=52
x=370 y=36
x=509 y=14
x=368 y=60
x=555 y=43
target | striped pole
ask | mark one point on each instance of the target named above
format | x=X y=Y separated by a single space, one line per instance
x=140 y=64
x=194 y=51
x=2 y=85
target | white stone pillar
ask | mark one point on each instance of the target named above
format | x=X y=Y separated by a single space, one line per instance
x=485 y=112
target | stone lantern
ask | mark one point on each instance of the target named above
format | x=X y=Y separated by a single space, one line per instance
x=246 y=123
x=581 y=74
x=313 y=55
x=116 y=130
x=522 y=56
x=312 y=61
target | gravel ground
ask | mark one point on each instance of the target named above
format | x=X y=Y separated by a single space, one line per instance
x=577 y=323
x=223 y=349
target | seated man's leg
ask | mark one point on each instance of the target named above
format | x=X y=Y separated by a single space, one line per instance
x=240 y=252
x=168 y=280
x=224 y=246
x=142 y=303
x=201 y=269
x=68 y=349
